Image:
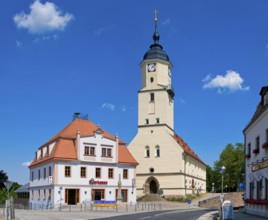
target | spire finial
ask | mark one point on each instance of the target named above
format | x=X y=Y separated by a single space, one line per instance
x=155 y=19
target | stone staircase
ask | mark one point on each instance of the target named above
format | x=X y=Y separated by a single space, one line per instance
x=150 y=198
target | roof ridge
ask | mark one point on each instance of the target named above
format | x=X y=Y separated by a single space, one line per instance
x=184 y=146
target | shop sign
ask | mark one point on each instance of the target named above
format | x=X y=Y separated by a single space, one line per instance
x=104 y=203
x=97 y=182
x=260 y=165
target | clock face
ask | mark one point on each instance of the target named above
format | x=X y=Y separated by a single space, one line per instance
x=151 y=67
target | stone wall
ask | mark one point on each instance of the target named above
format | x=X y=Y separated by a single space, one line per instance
x=235 y=198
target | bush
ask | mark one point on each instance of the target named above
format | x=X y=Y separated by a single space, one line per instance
x=179 y=198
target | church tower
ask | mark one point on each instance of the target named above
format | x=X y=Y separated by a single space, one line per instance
x=156 y=96
x=167 y=165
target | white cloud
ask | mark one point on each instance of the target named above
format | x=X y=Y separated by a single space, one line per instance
x=108 y=106
x=19 y=44
x=26 y=164
x=182 y=101
x=123 y=108
x=43 y=18
x=166 y=22
x=231 y=82
x=100 y=31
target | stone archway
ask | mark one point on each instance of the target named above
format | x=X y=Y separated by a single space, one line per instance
x=151 y=185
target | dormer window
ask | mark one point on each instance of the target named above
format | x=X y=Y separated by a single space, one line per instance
x=47 y=153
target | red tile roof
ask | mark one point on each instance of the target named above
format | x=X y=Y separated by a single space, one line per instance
x=186 y=148
x=125 y=156
x=64 y=148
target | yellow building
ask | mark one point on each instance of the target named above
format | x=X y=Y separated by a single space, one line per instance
x=167 y=165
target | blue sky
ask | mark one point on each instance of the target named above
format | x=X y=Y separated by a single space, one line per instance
x=60 y=57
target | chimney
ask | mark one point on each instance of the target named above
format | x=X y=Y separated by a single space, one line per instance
x=76 y=115
x=77 y=144
x=117 y=148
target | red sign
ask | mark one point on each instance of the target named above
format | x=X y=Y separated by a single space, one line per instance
x=97 y=182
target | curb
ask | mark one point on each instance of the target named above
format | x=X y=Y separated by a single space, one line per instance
x=207 y=216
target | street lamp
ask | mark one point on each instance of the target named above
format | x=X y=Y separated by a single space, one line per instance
x=222 y=172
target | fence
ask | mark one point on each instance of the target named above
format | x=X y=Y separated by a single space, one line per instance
x=87 y=206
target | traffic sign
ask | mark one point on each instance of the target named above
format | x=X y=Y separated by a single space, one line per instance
x=189 y=201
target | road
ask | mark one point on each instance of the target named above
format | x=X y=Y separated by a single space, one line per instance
x=164 y=215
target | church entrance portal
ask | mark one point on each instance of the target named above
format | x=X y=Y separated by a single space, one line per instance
x=151 y=185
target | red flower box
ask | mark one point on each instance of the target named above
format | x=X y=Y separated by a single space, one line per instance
x=265 y=145
x=256 y=151
x=257 y=201
x=247 y=156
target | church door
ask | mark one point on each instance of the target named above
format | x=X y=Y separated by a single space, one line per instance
x=153 y=187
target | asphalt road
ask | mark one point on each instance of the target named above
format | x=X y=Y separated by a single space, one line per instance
x=163 y=215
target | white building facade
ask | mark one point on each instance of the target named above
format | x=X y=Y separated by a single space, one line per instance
x=82 y=163
x=167 y=164
x=256 y=159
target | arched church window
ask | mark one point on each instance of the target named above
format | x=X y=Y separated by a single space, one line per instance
x=157 y=151
x=147 y=151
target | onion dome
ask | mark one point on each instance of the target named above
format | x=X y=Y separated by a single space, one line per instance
x=156 y=50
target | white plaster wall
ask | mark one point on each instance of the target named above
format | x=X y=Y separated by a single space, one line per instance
x=42 y=182
x=258 y=128
x=97 y=141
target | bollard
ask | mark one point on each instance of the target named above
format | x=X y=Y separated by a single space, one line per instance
x=148 y=206
x=135 y=208
x=116 y=208
x=126 y=208
x=81 y=207
x=141 y=207
x=154 y=206
x=70 y=207
x=145 y=204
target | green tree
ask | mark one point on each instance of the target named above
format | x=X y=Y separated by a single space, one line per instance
x=232 y=157
x=3 y=178
x=4 y=193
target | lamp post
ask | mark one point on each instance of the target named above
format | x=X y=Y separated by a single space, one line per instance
x=212 y=187
x=222 y=172
x=226 y=188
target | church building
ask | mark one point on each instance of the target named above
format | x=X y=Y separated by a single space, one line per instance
x=167 y=165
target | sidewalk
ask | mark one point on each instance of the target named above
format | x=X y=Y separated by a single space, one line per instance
x=238 y=215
